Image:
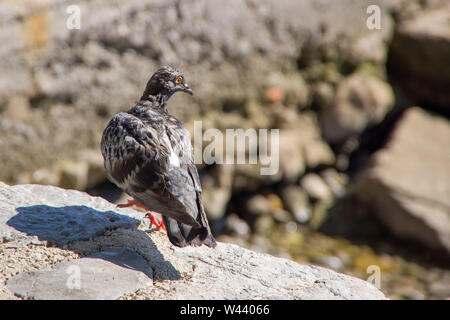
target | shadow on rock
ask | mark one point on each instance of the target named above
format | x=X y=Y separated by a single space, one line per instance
x=61 y=225
x=81 y=229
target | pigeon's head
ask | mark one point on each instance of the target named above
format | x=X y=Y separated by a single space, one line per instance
x=166 y=81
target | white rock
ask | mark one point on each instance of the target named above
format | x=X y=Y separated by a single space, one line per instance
x=225 y=272
x=316 y=187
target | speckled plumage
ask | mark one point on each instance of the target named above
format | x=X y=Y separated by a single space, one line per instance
x=148 y=153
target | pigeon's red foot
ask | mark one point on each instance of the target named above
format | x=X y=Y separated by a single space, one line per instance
x=131 y=203
x=149 y=215
x=155 y=222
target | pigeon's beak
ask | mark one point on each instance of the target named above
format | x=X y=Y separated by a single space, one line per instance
x=187 y=89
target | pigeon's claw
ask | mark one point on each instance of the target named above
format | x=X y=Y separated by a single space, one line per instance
x=155 y=222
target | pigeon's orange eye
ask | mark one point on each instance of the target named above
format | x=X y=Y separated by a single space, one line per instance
x=178 y=80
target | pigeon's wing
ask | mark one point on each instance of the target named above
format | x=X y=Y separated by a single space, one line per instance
x=140 y=159
x=181 y=234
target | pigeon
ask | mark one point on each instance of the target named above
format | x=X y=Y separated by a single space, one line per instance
x=148 y=153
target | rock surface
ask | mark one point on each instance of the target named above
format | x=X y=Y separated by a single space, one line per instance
x=103 y=275
x=152 y=268
x=245 y=274
x=408 y=182
x=44 y=212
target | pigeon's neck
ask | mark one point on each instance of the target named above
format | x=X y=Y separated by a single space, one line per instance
x=158 y=99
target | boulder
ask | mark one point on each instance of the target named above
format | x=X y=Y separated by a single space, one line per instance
x=127 y=262
x=407 y=183
x=419 y=56
x=361 y=101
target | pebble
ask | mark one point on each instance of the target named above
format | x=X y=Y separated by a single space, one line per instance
x=296 y=201
x=237 y=225
x=316 y=187
x=258 y=205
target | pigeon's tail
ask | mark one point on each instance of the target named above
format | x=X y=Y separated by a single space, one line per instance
x=182 y=235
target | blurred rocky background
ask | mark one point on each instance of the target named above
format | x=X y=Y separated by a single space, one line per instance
x=363 y=115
